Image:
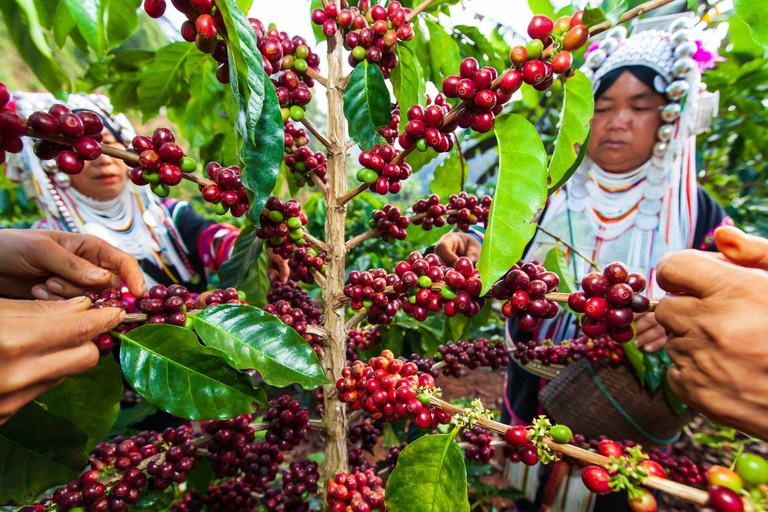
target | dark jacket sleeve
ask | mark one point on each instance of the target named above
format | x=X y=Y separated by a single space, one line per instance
x=710 y=216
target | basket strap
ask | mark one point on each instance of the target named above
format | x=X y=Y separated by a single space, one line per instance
x=625 y=415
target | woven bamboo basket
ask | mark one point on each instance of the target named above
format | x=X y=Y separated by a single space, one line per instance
x=576 y=399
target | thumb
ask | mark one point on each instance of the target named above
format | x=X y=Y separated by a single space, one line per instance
x=741 y=248
x=59 y=261
x=473 y=249
x=31 y=308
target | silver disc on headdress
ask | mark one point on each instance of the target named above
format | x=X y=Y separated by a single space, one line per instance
x=681 y=23
x=596 y=58
x=687 y=49
x=677 y=89
x=665 y=133
x=684 y=67
x=62 y=179
x=670 y=112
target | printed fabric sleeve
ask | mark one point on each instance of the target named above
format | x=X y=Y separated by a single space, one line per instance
x=211 y=243
x=710 y=217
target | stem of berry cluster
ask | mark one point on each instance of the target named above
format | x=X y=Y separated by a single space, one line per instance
x=316 y=132
x=132 y=159
x=415 y=12
x=362 y=237
x=682 y=491
x=335 y=344
x=314 y=75
x=572 y=248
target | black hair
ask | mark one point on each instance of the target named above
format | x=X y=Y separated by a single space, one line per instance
x=642 y=73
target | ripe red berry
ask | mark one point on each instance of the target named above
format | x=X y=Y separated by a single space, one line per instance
x=69 y=163
x=642 y=501
x=534 y=72
x=206 y=27
x=653 y=468
x=529 y=455
x=466 y=89
x=540 y=27
x=596 y=479
x=154 y=8
x=724 y=499
x=86 y=148
x=575 y=38
x=596 y=308
x=511 y=81
x=485 y=99
x=70 y=126
x=484 y=122
x=468 y=67
x=608 y=448
x=562 y=62
x=450 y=85
x=516 y=436
x=44 y=123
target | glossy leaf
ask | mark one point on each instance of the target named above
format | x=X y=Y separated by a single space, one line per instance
x=555 y=262
x=408 y=83
x=24 y=30
x=576 y=117
x=247 y=248
x=256 y=285
x=519 y=198
x=200 y=114
x=250 y=338
x=456 y=328
x=37 y=451
x=486 y=53
x=754 y=14
x=90 y=400
x=444 y=52
x=89 y=16
x=419 y=160
x=163 y=82
x=366 y=104
x=169 y=367
x=430 y=476
x=575 y=167
x=450 y=175
x=122 y=21
x=636 y=359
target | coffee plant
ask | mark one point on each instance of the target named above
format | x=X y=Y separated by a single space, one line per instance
x=213 y=363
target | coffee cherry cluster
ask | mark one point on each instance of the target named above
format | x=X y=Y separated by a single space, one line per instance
x=12 y=126
x=228 y=192
x=83 y=129
x=433 y=211
x=376 y=43
x=261 y=465
x=394 y=453
x=294 y=137
x=473 y=84
x=109 y=298
x=281 y=224
x=279 y=52
x=357 y=461
x=564 y=36
x=359 y=492
x=470 y=210
x=303 y=477
x=304 y=258
x=547 y=353
x=680 y=468
x=230 y=445
x=293 y=95
x=518 y=449
x=225 y=296
x=475 y=354
x=167 y=305
x=361 y=340
x=302 y=161
x=387 y=388
x=367 y=290
x=366 y=432
x=191 y=502
x=380 y=173
x=460 y=295
x=288 y=423
x=523 y=288
x=389 y=132
x=425 y=365
x=162 y=162
x=319 y=397
x=391 y=222
x=480 y=449
x=297 y=297
x=296 y=318
x=231 y=495
x=609 y=301
x=425 y=127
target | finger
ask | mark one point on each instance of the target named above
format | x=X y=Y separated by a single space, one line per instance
x=285 y=271
x=11 y=403
x=40 y=292
x=446 y=253
x=681 y=272
x=30 y=335
x=741 y=248
x=679 y=351
x=643 y=322
x=59 y=287
x=91 y=259
x=655 y=345
x=18 y=287
x=650 y=336
x=676 y=381
x=46 y=308
x=473 y=249
x=272 y=275
x=677 y=313
x=52 y=367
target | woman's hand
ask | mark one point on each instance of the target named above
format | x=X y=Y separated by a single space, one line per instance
x=649 y=336
x=51 y=265
x=453 y=246
x=42 y=343
x=278 y=268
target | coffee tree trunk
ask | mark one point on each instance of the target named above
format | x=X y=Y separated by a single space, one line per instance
x=335 y=347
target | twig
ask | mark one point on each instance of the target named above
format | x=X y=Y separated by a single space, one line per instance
x=632 y=13
x=356 y=319
x=129 y=158
x=318 y=276
x=572 y=248
x=317 y=425
x=314 y=131
x=344 y=81
x=131 y=318
x=439 y=365
x=415 y=12
x=350 y=144
x=461 y=160
x=314 y=75
x=352 y=193
x=319 y=184
x=682 y=491
x=355 y=415
x=316 y=242
x=317 y=331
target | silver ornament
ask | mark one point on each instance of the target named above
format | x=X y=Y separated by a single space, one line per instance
x=684 y=67
x=671 y=112
x=596 y=58
x=682 y=23
x=62 y=180
x=665 y=132
x=609 y=45
x=680 y=37
x=49 y=166
x=687 y=49
x=660 y=149
x=677 y=89
x=618 y=33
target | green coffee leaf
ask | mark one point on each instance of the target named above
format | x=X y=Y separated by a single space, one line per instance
x=367 y=105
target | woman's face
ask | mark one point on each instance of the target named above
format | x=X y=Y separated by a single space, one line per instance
x=104 y=178
x=627 y=117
